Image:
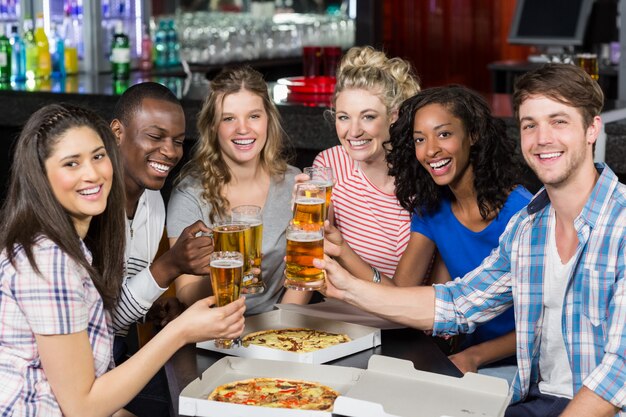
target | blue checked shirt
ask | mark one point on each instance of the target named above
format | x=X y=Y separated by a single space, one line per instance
x=594 y=311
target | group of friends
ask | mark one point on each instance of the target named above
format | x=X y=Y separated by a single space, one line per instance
x=429 y=227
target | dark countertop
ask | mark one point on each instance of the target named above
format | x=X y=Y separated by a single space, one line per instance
x=303 y=122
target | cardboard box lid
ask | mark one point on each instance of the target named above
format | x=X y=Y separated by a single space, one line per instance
x=394 y=388
x=193 y=399
x=363 y=337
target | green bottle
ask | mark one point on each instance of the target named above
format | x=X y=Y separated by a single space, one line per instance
x=32 y=52
x=5 y=56
x=120 y=53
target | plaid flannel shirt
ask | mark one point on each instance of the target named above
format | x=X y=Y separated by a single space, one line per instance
x=594 y=311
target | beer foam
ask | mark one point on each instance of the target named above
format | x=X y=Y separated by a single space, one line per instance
x=304 y=237
x=310 y=201
x=226 y=263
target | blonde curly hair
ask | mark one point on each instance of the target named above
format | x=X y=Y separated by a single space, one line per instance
x=207 y=162
x=393 y=80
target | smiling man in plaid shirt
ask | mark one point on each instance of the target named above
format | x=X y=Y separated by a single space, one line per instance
x=561 y=262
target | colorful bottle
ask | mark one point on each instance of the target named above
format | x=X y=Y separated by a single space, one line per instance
x=145 y=60
x=32 y=57
x=44 y=59
x=173 y=47
x=5 y=57
x=57 y=50
x=120 y=53
x=18 y=56
x=70 y=48
x=160 y=46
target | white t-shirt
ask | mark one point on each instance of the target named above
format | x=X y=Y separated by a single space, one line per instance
x=554 y=366
x=143 y=235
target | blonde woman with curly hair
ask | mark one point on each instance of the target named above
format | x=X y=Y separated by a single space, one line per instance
x=367 y=220
x=239 y=159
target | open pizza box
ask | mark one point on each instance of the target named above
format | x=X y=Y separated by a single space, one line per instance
x=363 y=337
x=388 y=388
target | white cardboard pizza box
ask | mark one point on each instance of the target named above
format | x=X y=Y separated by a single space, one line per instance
x=388 y=388
x=394 y=388
x=363 y=337
x=193 y=399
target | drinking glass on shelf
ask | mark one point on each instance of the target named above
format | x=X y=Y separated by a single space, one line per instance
x=308 y=208
x=589 y=63
x=325 y=177
x=253 y=241
x=305 y=242
x=226 y=273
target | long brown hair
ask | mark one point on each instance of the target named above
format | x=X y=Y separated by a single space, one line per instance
x=31 y=210
x=207 y=163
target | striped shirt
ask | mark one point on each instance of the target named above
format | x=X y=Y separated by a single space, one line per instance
x=373 y=223
x=593 y=320
x=62 y=300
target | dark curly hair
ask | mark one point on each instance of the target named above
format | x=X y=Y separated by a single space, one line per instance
x=494 y=158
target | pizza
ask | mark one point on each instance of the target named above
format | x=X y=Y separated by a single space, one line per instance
x=276 y=393
x=298 y=340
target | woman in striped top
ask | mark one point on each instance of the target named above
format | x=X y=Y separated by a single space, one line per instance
x=370 y=88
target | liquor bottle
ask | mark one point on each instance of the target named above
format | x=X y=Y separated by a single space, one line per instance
x=57 y=50
x=120 y=53
x=160 y=46
x=70 y=48
x=5 y=56
x=43 y=50
x=173 y=47
x=145 y=60
x=32 y=57
x=18 y=56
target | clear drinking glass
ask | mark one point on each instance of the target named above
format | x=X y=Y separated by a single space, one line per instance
x=253 y=242
x=305 y=242
x=325 y=177
x=226 y=274
x=310 y=199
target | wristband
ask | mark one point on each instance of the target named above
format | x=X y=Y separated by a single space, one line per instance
x=376 y=276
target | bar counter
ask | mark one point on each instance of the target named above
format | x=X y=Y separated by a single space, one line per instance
x=189 y=362
x=303 y=120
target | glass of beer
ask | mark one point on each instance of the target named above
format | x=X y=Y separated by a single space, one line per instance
x=229 y=235
x=226 y=274
x=309 y=203
x=589 y=62
x=305 y=242
x=325 y=177
x=253 y=242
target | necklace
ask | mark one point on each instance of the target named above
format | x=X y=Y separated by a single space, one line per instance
x=130 y=223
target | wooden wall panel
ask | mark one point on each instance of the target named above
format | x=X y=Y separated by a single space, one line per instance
x=450 y=41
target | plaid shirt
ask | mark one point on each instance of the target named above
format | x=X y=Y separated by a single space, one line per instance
x=594 y=310
x=62 y=300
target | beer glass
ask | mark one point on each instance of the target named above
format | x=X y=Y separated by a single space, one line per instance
x=305 y=242
x=226 y=273
x=309 y=204
x=589 y=62
x=253 y=242
x=325 y=177
x=229 y=235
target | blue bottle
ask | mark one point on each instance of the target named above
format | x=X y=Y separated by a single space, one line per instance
x=18 y=61
x=58 y=54
x=173 y=47
x=160 y=46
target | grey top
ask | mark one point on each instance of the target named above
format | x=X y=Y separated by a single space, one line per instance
x=187 y=206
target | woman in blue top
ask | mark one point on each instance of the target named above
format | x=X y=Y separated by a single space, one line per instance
x=458 y=172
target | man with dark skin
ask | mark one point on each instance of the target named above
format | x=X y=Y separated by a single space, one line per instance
x=149 y=124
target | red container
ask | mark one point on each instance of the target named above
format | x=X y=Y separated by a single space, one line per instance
x=330 y=58
x=311 y=61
